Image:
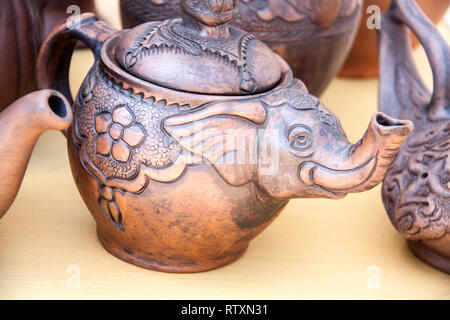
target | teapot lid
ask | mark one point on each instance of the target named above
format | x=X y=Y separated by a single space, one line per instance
x=199 y=53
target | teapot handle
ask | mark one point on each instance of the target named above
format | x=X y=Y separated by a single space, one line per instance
x=53 y=64
x=397 y=63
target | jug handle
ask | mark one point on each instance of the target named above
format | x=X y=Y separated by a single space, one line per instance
x=395 y=50
x=53 y=64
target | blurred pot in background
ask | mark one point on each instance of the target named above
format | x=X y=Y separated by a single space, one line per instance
x=21 y=28
x=58 y=10
x=313 y=36
x=363 y=58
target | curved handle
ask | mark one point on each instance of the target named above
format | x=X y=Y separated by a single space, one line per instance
x=397 y=69
x=56 y=51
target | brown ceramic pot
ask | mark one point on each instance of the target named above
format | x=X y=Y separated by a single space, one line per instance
x=416 y=191
x=363 y=58
x=56 y=11
x=23 y=26
x=21 y=124
x=313 y=36
x=190 y=136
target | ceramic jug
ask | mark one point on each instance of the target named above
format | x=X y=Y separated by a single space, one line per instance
x=362 y=60
x=313 y=36
x=21 y=124
x=416 y=191
x=190 y=136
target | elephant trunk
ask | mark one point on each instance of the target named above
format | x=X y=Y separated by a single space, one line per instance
x=21 y=124
x=364 y=164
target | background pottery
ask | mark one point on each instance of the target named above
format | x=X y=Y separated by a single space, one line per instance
x=313 y=36
x=21 y=124
x=416 y=191
x=362 y=60
x=21 y=35
x=165 y=171
x=56 y=11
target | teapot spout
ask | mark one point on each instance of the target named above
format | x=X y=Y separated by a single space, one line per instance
x=21 y=124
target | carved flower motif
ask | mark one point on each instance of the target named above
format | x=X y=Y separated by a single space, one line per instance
x=118 y=134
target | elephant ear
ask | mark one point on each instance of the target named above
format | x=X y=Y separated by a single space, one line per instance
x=223 y=133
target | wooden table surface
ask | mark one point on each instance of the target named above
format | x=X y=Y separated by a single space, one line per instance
x=316 y=249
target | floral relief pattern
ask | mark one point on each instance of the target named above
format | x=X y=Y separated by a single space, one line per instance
x=109 y=207
x=118 y=133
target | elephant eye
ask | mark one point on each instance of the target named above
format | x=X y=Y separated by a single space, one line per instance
x=300 y=138
x=301 y=142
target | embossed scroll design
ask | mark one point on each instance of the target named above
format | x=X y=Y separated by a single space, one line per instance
x=164 y=36
x=417 y=188
x=273 y=21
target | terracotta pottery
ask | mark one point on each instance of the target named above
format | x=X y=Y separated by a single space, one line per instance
x=363 y=58
x=21 y=36
x=21 y=124
x=190 y=136
x=313 y=36
x=56 y=11
x=416 y=191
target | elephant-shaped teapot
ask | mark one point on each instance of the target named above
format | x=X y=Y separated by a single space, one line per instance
x=190 y=136
x=416 y=191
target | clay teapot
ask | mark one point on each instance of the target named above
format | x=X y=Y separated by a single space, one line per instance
x=416 y=191
x=21 y=124
x=362 y=60
x=313 y=36
x=190 y=136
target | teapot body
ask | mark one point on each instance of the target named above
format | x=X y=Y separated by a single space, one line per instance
x=314 y=37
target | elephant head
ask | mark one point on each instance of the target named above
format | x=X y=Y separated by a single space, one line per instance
x=289 y=144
